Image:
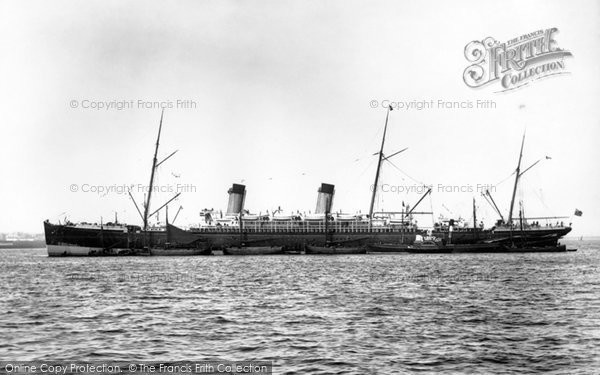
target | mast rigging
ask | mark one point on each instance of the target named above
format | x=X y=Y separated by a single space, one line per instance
x=147 y=205
x=378 y=169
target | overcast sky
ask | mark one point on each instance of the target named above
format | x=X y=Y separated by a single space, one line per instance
x=282 y=93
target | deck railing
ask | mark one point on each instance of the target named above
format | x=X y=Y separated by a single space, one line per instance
x=307 y=227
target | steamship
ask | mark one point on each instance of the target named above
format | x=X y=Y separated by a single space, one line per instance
x=239 y=229
x=524 y=232
x=291 y=232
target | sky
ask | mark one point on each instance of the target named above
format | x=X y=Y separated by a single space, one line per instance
x=282 y=96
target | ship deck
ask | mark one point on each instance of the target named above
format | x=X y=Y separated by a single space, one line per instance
x=306 y=227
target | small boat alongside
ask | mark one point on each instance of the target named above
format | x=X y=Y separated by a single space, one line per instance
x=537 y=249
x=476 y=248
x=253 y=250
x=180 y=243
x=245 y=247
x=387 y=248
x=429 y=249
x=335 y=250
x=174 y=251
x=331 y=247
x=432 y=245
x=437 y=248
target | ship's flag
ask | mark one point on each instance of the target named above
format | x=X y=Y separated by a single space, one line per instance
x=391 y=109
x=578 y=213
x=548 y=158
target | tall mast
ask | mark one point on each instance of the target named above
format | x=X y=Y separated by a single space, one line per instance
x=378 y=168
x=147 y=206
x=518 y=174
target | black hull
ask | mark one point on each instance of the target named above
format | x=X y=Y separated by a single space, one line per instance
x=72 y=240
x=69 y=240
x=485 y=248
x=135 y=240
x=540 y=236
x=295 y=240
x=86 y=237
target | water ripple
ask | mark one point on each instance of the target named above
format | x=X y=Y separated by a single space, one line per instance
x=453 y=313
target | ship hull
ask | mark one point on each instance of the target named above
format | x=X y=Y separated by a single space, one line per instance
x=68 y=240
x=295 y=240
x=540 y=235
x=94 y=238
x=217 y=239
x=70 y=250
x=75 y=251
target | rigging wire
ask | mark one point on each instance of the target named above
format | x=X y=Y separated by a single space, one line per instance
x=367 y=168
x=541 y=198
x=505 y=179
x=406 y=174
